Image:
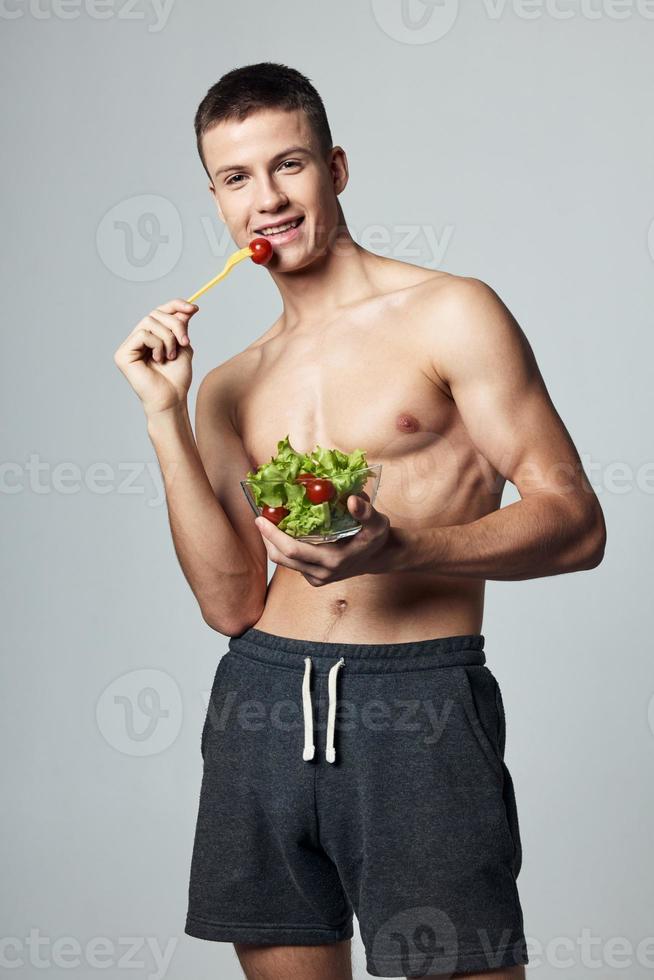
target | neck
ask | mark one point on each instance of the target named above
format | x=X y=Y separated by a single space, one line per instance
x=344 y=274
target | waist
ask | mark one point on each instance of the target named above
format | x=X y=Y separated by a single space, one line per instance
x=372 y=608
x=443 y=651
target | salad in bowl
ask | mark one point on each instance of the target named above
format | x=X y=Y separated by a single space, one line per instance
x=305 y=494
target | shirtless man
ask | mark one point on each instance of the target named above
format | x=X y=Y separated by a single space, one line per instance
x=431 y=375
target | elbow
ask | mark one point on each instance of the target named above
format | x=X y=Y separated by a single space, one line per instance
x=226 y=626
x=594 y=540
x=596 y=554
x=231 y=623
x=233 y=612
x=221 y=626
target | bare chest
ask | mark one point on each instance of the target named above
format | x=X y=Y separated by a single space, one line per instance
x=367 y=387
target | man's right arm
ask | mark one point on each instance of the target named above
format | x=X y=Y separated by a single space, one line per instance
x=216 y=541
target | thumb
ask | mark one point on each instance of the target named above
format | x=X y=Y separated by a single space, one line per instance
x=358 y=507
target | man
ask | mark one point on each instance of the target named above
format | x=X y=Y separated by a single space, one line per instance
x=403 y=811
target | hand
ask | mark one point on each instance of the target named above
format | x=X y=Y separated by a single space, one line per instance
x=156 y=356
x=365 y=553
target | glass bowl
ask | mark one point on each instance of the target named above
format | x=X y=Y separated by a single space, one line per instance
x=343 y=524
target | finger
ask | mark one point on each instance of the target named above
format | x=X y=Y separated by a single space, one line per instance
x=179 y=305
x=298 y=566
x=142 y=338
x=291 y=560
x=152 y=323
x=362 y=510
x=178 y=323
x=359 y=508
x=284 y=550
x=290 y=547
x=155 y=323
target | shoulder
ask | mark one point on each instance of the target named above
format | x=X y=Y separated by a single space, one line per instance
x=443 y=296
x=463 y=309
x=469 y=326
x=460 y=296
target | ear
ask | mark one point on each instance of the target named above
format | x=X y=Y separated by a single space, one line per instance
x=339 y=169
x=212 y=191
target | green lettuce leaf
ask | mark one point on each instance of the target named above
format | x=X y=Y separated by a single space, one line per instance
x=274 y=484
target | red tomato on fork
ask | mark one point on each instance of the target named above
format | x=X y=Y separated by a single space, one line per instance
x=261 y=250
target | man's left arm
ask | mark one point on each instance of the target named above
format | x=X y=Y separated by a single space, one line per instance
x=557 y=526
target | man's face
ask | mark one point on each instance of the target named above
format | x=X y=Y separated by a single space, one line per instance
x=266 y=169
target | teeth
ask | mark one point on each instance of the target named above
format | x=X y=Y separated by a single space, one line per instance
x=280 y=228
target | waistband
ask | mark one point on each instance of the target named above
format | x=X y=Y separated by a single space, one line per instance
x=360 y=658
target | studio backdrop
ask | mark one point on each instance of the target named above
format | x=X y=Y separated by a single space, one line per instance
x=508 y=141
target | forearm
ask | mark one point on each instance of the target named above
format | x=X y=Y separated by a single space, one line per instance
x=217 y=567
x=539 y=535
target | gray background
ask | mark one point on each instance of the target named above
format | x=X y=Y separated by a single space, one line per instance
x=515 y=142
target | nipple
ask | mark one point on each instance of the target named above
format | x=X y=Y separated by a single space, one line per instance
x=406 y=422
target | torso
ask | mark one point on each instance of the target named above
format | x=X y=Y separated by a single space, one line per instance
x=369 y=381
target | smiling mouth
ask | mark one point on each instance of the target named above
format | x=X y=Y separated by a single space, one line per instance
x=269 y=231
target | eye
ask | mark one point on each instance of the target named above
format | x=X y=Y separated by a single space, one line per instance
x=233 y=179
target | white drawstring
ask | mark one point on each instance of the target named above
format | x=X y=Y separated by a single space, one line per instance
x=330 y=751
x=309 y=747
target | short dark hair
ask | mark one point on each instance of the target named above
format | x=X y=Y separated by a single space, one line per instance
x=266 y=85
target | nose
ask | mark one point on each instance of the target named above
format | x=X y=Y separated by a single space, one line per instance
x=269 y=197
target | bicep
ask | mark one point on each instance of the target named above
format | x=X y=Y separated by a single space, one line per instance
x=226 y=462
x=501 y=396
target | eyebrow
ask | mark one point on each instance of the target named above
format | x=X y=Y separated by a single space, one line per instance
x=277 y=156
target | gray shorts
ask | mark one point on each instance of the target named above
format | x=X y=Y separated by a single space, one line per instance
x=343 y=778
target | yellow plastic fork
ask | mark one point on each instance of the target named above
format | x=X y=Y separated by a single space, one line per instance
x=234 y=259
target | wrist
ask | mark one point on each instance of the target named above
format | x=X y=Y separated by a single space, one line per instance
x=412 y=550
x=398 y=550
x=164 y=417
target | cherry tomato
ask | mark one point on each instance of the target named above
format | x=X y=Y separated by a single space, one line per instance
x=274 y=514
x=319 y=490
x=262 y=251
x=303 y=477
